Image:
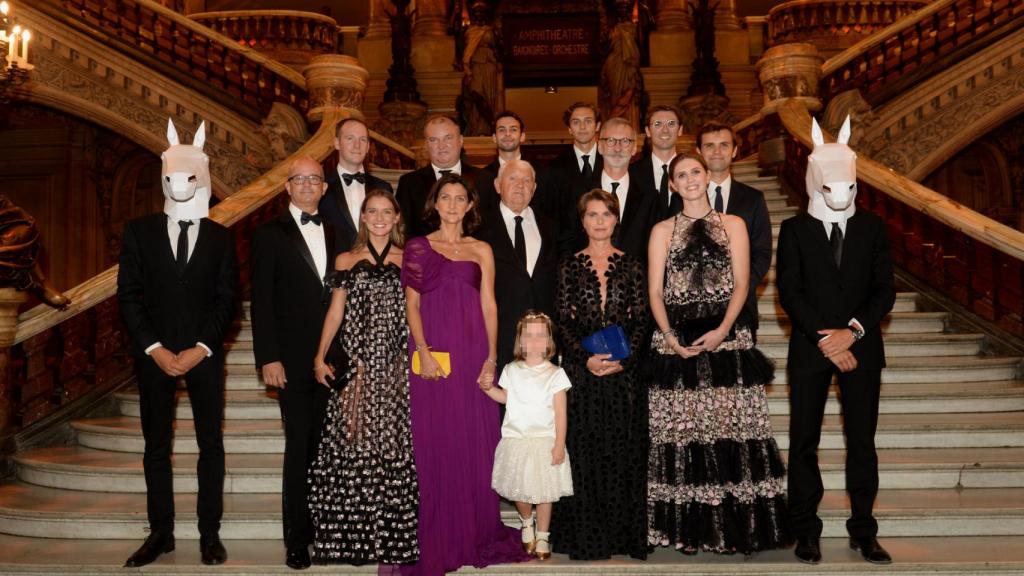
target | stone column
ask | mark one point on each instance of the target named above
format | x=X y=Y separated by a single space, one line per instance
x=374 y=53
x=790 y=71
x=725 y=16
x=433 y=50
x=10 y=300
x=335 y=81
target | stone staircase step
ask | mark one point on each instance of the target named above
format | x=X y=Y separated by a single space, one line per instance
x=905 y=302
x=124 y=434
x=252 y=404
x=37 y=511
x=896 y=345
x=924 y=398
x=896 y=323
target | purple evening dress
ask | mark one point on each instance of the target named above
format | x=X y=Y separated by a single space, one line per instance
x=455 y=426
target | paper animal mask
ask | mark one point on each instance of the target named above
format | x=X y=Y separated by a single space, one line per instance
x=831 y=176
x=186 y=176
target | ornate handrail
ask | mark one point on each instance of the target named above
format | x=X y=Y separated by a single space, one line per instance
x=971 y=258
x=933 y=32
x=202 y=53
x=273 y=29
x=799 y=20
x=228 y=212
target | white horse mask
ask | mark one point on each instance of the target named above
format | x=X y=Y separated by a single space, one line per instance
x=186 y=176
x=831 y=176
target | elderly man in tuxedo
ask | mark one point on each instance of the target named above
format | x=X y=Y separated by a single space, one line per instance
x=291 y=256
x=348 y=184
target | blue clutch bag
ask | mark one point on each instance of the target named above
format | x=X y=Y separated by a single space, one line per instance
x=608 y=340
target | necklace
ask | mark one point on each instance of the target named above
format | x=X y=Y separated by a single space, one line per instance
x=685 y=215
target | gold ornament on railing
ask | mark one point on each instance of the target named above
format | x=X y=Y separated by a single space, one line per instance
x=14 y=66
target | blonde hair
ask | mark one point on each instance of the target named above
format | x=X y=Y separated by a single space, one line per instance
x=534 y=317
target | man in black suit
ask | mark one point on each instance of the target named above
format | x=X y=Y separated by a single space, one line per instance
x=717 y=144
x=509 y=135
x=444 y=147
x=291 y=255
x=637 y=206
x=835 y=282
x=177 y=287
x=347 y=186
x=651 y=171
x=525 y=254
x=568 y=175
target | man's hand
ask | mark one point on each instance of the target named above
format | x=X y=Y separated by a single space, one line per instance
x=273 y=374
x=835 y=341
x=188 y=359
x=845 y=361
x=167 y=361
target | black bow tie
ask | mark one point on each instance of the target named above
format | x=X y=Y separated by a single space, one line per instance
x=358 y=177
x=307 y=218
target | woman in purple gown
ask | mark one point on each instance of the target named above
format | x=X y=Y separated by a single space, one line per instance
x=449 y=285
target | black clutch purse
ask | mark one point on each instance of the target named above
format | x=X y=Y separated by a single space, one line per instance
x=338 y=360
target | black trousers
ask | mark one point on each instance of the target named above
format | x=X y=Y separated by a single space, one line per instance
x=157 y=402
x=808 y=391
x=303 y=403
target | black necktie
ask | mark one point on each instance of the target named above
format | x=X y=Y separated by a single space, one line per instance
x=835 y=240
x=615 y=187
x=587 y=170
x=719 y=201
x=444 y=172
x=663 y=187
x=358 y=177
x=306 y=218
x=520 y=244
x=181 y=256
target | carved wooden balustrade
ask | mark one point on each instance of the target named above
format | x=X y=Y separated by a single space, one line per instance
x=290 y=36
x=885 y=63
x=825 y=20
x=972 y=259
x=209 y=57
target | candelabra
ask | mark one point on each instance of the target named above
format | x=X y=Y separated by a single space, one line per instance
x=14 y=66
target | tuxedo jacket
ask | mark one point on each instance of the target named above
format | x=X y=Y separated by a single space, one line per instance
x=289 y=299
x=816 y=294
x=177 y=309
x=516 y=291
x=563 y=184
x=641 y=175
x=634 y=229
x=749 y=204
x=414 y=187
x=335 y=209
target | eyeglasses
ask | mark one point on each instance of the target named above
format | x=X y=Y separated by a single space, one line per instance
x=659 y=124
x=313 y=180
x=618 y=141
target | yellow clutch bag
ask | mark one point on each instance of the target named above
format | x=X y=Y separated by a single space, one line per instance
x=442 y=358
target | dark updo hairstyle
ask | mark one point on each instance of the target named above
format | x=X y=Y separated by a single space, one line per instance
x=685 y=156
x=611 y=202
x=471 y=221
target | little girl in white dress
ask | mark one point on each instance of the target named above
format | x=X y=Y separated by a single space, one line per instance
x=530 y=463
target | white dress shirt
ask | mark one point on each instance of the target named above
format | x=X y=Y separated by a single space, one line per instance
x=457 y=169
x=502 y=161
x=531 y=233
x=314 y=237
x=173 y=231
x=355 y=193
x=621 y=191
x=591 y=157
x=726 y=190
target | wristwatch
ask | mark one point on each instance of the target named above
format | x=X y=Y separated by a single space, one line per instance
x=858 y=332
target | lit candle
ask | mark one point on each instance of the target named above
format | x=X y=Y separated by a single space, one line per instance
x=25 y=37
x=4 y=8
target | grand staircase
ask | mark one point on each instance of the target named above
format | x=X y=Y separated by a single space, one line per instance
x=950 y=439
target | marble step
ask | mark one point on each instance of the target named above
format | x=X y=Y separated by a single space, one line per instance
x=769 y=304
x=86 y=469
x=36 y=511
x=896 y=345
x=926 y=430
x=948 y=555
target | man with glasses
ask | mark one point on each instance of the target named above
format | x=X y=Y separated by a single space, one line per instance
x=637 y=206
x=291 y=255
x=347 y=186
x=444 y=147
x=651 y=171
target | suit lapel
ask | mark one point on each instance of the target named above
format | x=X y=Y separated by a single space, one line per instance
x=202 y=237
x=824 y=246
x=291 y=230
x=343 y=206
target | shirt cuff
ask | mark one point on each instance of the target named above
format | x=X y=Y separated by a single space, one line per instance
x=153 y=347
x=205 y=347
x=856 y=323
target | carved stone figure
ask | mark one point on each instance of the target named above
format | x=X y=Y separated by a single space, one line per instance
x=622 y=85
x=481 y=73
x=19 y=252
x=852 y=104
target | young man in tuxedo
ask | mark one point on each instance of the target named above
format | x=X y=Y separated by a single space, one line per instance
x=651 y=171
x=509 y=135
x=291 y=256
x=444 y=147
x=347 y=186
x=525 y=254
x=569 y=174
x=717 y=144
x=177 y=287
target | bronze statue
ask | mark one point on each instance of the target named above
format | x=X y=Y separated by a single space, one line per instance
x=19 y=252
x=621 y=80
x=481 y=73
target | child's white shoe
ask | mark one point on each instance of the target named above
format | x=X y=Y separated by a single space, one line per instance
x=542 y=550
x=529 y=534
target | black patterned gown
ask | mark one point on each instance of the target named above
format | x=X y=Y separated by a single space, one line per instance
x=363 y=493
x=606 y=416
x=714 y=471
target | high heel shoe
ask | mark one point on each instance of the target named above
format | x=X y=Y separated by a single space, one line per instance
x=529 y=534
x=542 y=550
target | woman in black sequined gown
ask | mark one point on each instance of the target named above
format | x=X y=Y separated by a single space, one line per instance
x=607 y=406
x=714 y=472
x=363 y=493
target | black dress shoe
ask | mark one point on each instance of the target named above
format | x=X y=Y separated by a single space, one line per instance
x=871 y=550
x=808 y=549
x=298 y=558
x=211 y=550
x=156 y=543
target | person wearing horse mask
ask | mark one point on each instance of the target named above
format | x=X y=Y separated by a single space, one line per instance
x=177 y=287
x=835 y=282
